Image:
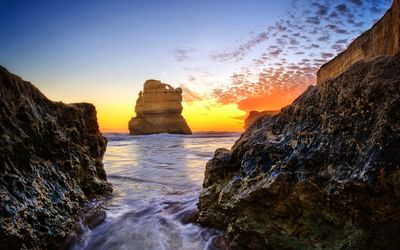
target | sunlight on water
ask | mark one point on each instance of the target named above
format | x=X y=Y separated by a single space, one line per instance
x=157 y=180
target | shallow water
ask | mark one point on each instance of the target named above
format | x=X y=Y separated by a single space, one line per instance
x=157 y=180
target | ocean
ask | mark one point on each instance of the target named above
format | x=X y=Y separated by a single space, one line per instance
x=157 y=180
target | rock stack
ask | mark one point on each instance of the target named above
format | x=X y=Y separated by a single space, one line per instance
x=158 y=110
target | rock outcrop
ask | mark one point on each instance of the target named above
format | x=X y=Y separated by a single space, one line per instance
x=381 y=40
x=158 y=110
x=50 y=162
x=255 y=115
x=322 y=174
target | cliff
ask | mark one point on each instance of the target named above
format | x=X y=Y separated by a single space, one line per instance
x=255 y=115
x=322 y=174
x=158 y=110
x=50 y=162
x=382 y=39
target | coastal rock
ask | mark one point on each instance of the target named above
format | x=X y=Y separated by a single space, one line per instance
x=255 y=115
x=322 y=174
x=158 y=110
x=50 y=162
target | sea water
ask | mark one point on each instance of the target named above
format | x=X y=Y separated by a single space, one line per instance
x=157 y=180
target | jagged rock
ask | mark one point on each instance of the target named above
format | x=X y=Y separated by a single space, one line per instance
x=255 y=115
x=50 y=162
x=158 y=110
x=322 y=174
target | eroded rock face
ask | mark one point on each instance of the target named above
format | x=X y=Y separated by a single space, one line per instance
x=383 y=39
x=255 y=115
x=324 y=173
x=50 y=162
x=158 y=110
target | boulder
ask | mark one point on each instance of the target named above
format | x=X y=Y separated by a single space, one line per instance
x=324 y=173
x=158 y=110
x=50 y=163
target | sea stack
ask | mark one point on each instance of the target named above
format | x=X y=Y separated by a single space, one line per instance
x=324 y=173
x=158 y=110
x=51 y=165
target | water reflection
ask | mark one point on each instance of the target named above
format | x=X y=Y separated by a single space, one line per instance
x=157 y=180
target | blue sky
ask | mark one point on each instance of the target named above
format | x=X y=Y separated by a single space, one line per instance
x=223 y=52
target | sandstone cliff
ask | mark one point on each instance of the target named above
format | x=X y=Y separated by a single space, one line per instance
x=322 y=174
x=50 y=162
x=255 y=115
x=382 y=39
x=158 y=110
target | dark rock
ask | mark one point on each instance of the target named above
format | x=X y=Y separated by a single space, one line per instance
x=50 y=162
x=324 y=173
x=254 y=116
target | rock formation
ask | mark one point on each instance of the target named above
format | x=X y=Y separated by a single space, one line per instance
x=255 y=115
x=158 y=110
x=382 y=39
x=50 y=162
x=322 y=174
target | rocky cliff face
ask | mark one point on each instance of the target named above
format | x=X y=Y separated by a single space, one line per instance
x=158 y=110
x=322 y=174
x=381 y=40
x=50 y=162
x=255 y=115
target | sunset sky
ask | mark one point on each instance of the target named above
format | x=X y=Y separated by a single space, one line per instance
x=229 y=56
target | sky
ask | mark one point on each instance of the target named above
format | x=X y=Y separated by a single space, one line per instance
x=229 y=56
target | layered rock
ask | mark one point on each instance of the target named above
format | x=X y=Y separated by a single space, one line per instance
x=51 y=164
x=255 y=115
x=322 y=174
x=382 y=39
x=158 y=110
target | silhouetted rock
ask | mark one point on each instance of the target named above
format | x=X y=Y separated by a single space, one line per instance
x=158 y=110
x=50 y=162
x=322 y=174
x=255 y=115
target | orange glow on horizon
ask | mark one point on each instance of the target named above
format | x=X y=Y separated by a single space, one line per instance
x=201 y=115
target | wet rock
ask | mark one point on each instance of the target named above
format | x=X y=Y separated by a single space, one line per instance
x=322 y=174
x=50 y=162
x=158 y=110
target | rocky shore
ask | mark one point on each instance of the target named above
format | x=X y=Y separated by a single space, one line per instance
x=51 y=164
x=322 y=174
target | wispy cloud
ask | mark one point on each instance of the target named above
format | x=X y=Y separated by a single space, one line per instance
x=240 y=52
x=312 y=33
x=183 y=54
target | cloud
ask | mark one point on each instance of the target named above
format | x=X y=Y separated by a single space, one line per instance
x=183 y=54
x=342 y=9
x=190 y=95
x=357 y=2
x=326 y=55
x=291 y=51
x=240 y=52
